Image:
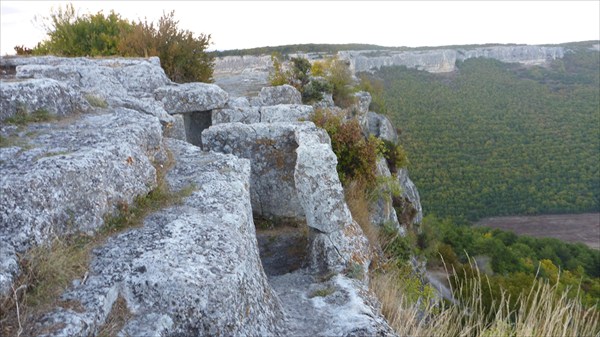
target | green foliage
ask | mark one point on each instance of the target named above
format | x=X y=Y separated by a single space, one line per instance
x=23 y=117
x=395 y=156
x=516 y=260
x=374 y=86
x=501 y=139
x=339 y=76
x=183 y=56
x=87 y=35
x=357 y=155
x=278 y=76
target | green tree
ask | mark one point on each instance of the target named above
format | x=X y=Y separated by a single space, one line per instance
x=87 y=35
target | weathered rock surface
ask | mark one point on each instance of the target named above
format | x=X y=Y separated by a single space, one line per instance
x=285 y=113
x=302 y=186
x=45 y=94
x=236 y=110
x=381 y=127
x=191 y=97
x=270 y=148
x=110 y=82
x=381 y=210
x=283 y=94
x=340 y=306
x=192 y=269
x=64 y=178
x=411 y=202
x=360 y=109
x=108 y=78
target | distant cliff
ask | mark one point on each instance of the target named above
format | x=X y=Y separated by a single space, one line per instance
x=444 y=60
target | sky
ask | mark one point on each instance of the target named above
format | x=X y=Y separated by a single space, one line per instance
x=248 y=24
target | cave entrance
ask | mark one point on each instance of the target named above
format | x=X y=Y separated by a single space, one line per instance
x=195 y=122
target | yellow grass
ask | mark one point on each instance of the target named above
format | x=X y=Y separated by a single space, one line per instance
x=544 y=311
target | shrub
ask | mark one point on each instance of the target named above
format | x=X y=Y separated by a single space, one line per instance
x=183 y=56
x=357 y=155
x=394 y=155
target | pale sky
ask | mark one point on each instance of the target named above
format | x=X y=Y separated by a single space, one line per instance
x=248 y=24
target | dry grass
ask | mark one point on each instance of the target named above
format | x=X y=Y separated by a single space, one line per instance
x=357 y=201
x=117 y=318
x=544 y=311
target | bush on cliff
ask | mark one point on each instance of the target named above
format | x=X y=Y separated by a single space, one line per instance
x=357 y=155
x=183 y=56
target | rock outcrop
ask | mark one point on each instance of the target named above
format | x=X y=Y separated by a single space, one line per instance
x=283 y=94
x=444 y=60
x=64 y=178
x=34 y=95
x=192 y=269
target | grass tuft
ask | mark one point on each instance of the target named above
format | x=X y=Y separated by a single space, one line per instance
x=22 y=117
x=544 y=311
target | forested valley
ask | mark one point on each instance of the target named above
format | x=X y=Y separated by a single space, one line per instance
x=493 y=138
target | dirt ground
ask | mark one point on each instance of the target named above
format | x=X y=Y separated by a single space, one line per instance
x=584 y=228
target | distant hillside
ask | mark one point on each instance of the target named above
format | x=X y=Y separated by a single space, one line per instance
x=493 y=138
x=334 y=48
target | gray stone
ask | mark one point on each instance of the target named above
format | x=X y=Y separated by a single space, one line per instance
x=66 y=177
x=108 y=79
x=236 y=110
x=411 y=202
x=270 y=148
x=191 y=97
x=285 y=113
x=344 y=307
x=175 y=130
x=283 y=94
x=381 y=209
x=360 y=110
x=192 y=269
x=326 y=103
x=337 y=243
x=381 y=127
x=27 y=96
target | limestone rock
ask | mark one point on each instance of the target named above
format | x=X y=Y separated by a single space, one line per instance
x=27 y=96
x=283 y=94
x=337 y=242
x=340 y=306
x=360 y=110
x=381 y=127
x=236 y=110
x=109 y=79
x=191 y=97
x=411 y=202
x=64 y=178
x=381 y=210
x=270 y=148
x=285 y=113
x=326 y=103
x=192 y=269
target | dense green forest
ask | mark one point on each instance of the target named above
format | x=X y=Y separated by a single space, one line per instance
x=501 y=139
